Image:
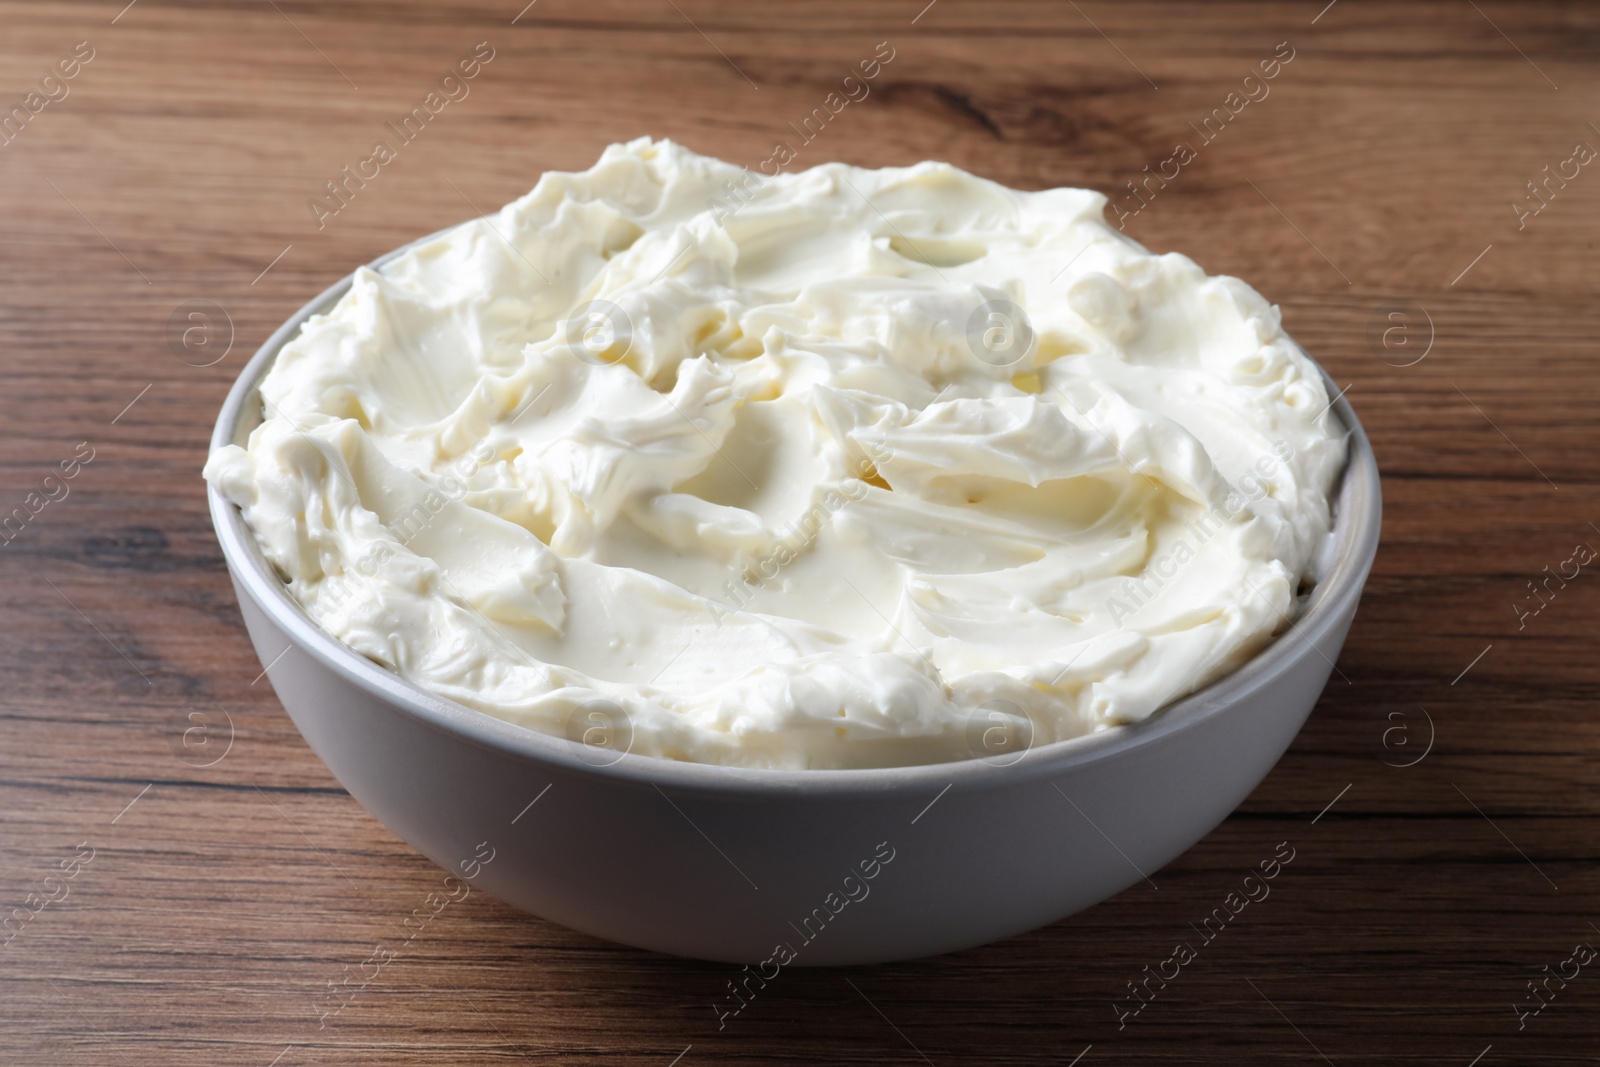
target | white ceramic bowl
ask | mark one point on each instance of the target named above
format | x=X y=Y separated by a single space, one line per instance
x=839 y=867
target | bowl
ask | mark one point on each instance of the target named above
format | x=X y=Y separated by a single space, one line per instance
x=789 y=868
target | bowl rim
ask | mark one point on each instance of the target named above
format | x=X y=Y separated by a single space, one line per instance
x=1357 y=524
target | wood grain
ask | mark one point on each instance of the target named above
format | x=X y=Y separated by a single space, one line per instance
x=221 y=900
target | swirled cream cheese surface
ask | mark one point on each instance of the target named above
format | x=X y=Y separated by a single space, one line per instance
x=839 y=468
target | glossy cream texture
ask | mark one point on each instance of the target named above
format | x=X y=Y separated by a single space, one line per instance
x=841 y=468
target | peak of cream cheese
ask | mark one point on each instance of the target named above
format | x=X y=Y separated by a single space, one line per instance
x=840 y=468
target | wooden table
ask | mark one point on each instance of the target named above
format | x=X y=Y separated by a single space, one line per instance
x=205 y=887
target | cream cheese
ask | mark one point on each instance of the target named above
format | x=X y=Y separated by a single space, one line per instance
x=856 y=468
